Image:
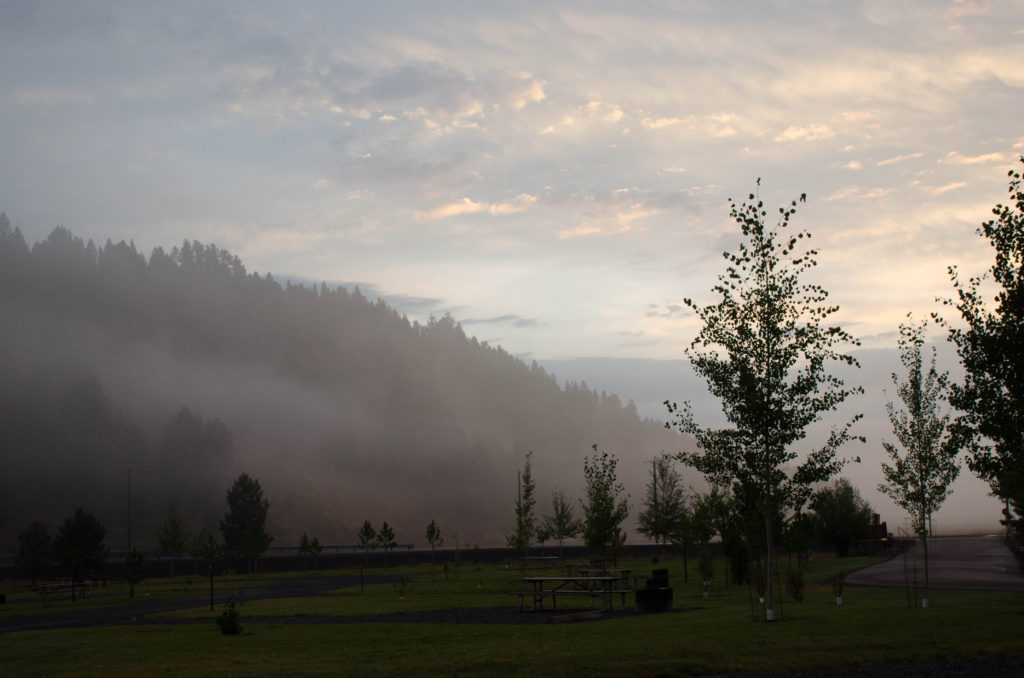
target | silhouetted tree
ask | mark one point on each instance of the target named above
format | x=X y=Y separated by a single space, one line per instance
x=386 y=540
x=562 y=524
x=841 y=516
x=990 y=344
x=367 y=539
x=243 y=526
x=920 y=479
x=314 y=550
x=309 y=549
x=172 y=537
x=764 y=350
x=134 y=570
x=664 y=503
x=526 y=522
x=604 y=509
x=204 y=546
x=34 y=547
x=192 y=443
x=435 y=540
x=79 y=544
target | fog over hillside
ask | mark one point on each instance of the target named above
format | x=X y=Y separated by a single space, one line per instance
x=135 y=380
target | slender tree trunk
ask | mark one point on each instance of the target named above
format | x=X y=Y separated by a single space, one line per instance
x=769 y=603
x=924 y=599
x=686 y=571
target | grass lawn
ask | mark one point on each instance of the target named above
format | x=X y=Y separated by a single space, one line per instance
x=706 y=635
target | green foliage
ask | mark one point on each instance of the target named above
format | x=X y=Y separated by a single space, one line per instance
x=920 y=479
x=134 y=570
x=526 y=522
x=664 y=513
x=204 y=546
x=309 y=548
x=765 y=350
x=603 y=509
x=386 y=540
x=190 y=443
x=990 y=344
x=562 y=524
x=243 y=526
x=367 y=539
x=434 y=538
x=798 y=533
x=79 y=542
x=230 y=621
x=34 y=548
x=841 y=516
x=172 y=537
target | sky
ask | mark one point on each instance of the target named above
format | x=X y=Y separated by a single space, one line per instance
x=555 y=175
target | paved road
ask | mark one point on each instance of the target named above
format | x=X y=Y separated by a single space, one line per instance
x=978 y=562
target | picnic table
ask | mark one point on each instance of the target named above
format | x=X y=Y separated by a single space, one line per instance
x=603 y=572
x=555 y=587
x=62 y=587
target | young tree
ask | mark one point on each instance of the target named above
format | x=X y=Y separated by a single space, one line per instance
x=562 y=524
x=603 y=510
x=304 y=549
x=764 y=350
x=205 y=547
x=386 y=540
x=243 y=526
x=34 y=548
x=920 y=480
x=314 y=550
x=664 y=504
x=367 y=539
x=134 y=571
x=841 y=516
x=991 y=349
x=79 y=544
x=172 y=537
x=526 y=522
x=435 y=540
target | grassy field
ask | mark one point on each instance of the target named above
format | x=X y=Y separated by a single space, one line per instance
x=704 y=635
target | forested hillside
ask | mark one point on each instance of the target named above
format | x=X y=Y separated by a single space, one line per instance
x=135 y=381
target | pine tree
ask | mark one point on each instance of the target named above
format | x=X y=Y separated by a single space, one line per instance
x=243 y=526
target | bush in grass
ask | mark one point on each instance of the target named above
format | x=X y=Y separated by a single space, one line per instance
x=230 y=622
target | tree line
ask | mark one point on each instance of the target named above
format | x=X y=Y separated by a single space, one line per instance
x=186 y=368
x=766 y=350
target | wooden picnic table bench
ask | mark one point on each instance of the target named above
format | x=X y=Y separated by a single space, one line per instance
x=543 y=587
x=62 y=587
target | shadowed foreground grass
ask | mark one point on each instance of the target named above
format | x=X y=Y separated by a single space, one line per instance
x=707 y=635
